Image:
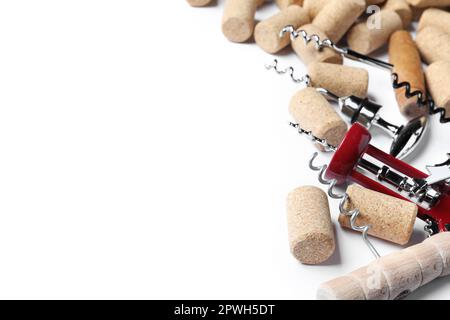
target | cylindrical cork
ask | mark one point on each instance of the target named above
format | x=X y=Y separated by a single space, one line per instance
x=429 y=3
x=267 y=32
x=338 y=16
x=311 y=235
x=366 y=38
x=429 y=259
x=390 y=218
x=405 y=57
x=402 y=8
x=238 y=19
x=341 y=80
x=394 y=275
x=435 y=18
x=433 y=44
x=308 y=52
x=438 y=80
x=314 y=113
x=283 y=4
x=314 y=6
x=199 y=3
x=442 y=244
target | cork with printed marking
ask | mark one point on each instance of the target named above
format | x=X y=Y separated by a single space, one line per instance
x=437 y=18
x=311 y=235
x=308 y=52
x=314 y=113
x=238 y=19
x=199 y=3
x=433 y=44
x=438 y=80
x=338 y=16
x=365 y=38
x=390 y=218
x=267 y=32
x=339 y=79
x=405 y=57
x=402 y=8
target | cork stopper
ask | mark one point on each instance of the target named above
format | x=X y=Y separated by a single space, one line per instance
x=441 y=242
x=429 y=3
x=437 y=18
x=341 y=288
x=238 y=19
x=339 y=79
x=199 y=3
x=365 y=39
x=338 y=16
x=372 y=282
x=308 y=53
x=311 y=236
x=283 y=4
x=402 y=8
x=314 y=113
x=405 y=57
x=438 y=78
x=390 y=218
x=267 y=32
x=433 y=44
x=314 y=6
x=429 y=259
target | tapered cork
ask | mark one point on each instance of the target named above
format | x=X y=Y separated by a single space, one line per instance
x=435 y=18
x=438 y=80
x=267 y=32
x=366 y=38
x=429 y=3
x=199 y=3
x=283 y=4
x=429 y=259
x=402 y=8
x=311 y=235
x=390 y=218
x=341 y=80
x=308 y=52
x=392 y=276
x=314 y=6
x=433 y=44
x=405 y=57
x=338 y=16
x=238 y=19
x=314 y=113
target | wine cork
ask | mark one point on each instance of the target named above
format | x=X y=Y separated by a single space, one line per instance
x=311 y=235
x=314 y=6
x=199 y=3
x=441 y=242
x=238 y=19
x=402 y=8
x=341 y=80
x=429 y=3
x=433 y=44
x=405 y=57
x=393 y=276
x=438 y=79
x=437 y=18
x=308 y=52
x=364 y=38
x=283 y=4
x=314 y=113
x=429 y=259
x=338 y=16
x=390 y=218
x=267 y=32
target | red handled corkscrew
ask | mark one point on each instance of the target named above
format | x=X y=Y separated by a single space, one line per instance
x=355 y=160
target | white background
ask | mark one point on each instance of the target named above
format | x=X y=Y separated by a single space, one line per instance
x=142 y=155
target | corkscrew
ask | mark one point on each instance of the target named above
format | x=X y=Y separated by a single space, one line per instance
x=424 y=100
x=405 y=138
x=355 y=160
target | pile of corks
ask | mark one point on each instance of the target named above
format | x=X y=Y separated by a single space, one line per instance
x=365 y=30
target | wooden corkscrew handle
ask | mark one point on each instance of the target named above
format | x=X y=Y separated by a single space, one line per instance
x=395 y=275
